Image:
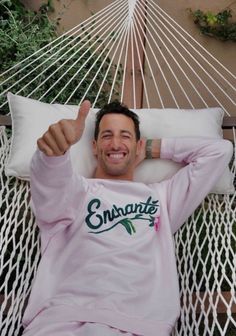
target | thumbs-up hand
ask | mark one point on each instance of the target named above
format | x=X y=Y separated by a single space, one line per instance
x=62 y=135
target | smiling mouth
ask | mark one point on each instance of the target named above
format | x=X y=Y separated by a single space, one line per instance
x=116 y=157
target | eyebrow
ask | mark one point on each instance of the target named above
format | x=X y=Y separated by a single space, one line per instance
x=122 y=131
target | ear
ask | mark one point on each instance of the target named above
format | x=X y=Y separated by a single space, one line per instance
x=94 y=144
x=141 y=144
x=140 y=151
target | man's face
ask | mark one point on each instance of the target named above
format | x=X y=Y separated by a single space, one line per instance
x=116 y=147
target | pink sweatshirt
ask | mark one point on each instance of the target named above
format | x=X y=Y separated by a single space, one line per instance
x=107 y=245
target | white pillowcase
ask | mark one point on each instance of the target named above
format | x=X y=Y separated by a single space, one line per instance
x=31 y=118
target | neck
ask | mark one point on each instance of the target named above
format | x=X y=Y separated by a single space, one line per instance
x=103 y=175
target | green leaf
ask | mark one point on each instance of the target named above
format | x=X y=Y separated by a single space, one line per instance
x=128 y=225
x=133 y=227
x=151 y=220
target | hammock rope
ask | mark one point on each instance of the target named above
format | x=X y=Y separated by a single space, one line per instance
x=176 y=56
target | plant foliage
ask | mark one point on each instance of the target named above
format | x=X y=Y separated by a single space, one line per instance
x=220 y=26
x=24 y=32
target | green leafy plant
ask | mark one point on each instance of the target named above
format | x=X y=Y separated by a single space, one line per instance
x=220 y=25
x=24 y=32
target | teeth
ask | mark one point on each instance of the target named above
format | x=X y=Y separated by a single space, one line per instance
x=116 y=156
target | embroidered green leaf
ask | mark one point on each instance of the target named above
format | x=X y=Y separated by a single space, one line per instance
x=133 y=227
x=126 y=222
x=151 y=221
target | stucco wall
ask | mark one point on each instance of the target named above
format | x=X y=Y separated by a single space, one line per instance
x=72 y=12
x=225 y=52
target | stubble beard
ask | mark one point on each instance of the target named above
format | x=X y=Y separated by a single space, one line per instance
x=119 y=169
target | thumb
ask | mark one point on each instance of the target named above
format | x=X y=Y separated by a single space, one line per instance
x=83 y=111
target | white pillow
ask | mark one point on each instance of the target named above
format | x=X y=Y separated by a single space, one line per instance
x=31 y=118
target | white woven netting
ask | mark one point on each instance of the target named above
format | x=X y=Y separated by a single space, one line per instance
x=108 y=56
x=20 y=249
x=205 y=251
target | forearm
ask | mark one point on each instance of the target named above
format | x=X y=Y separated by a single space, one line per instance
x=196 y=149
x=205 y=160
x=153 y=149
x=50 y=179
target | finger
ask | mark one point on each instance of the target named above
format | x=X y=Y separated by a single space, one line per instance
x=83 y=111
x=51 y=143
x=59 y=136
x=69 y=131
x=43 y=147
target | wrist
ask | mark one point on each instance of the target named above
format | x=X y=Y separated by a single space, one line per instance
x=149 y=148
x=153 y=148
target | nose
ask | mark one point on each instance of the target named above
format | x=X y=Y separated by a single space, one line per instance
x=115 y=143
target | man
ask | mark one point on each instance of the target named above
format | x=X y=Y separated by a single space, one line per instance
x=108 y=265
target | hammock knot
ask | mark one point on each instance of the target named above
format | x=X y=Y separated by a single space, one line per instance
x=132 y=4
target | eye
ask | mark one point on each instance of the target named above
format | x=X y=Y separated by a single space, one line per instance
x=106 y=136
x=126 y=136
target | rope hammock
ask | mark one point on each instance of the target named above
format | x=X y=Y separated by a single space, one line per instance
x=135 y=52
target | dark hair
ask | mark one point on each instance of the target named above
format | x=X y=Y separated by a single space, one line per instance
x=117 y=107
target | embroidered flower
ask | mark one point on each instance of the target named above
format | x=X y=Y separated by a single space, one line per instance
x=157 y=223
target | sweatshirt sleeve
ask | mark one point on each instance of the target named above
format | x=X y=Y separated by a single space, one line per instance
x=205 y=160
x=56 y=193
